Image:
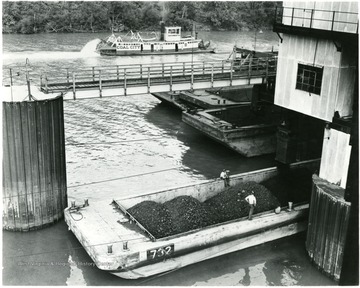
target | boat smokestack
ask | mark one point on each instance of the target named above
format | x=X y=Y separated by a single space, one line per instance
x=162 y=30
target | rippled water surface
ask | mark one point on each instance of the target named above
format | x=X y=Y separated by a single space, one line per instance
x=130 y=145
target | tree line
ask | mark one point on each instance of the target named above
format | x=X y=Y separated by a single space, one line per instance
x=28 y=17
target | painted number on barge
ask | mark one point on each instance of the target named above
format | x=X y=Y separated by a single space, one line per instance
x=161 y=252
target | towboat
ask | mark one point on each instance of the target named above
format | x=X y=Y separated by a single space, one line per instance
x=169 y=42
x=119 y=244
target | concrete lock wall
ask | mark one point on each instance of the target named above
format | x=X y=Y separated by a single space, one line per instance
x=34 y=166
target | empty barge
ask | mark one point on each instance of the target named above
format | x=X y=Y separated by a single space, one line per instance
x=117 y=243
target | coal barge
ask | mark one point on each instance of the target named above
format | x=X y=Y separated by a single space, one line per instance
x=120 y=244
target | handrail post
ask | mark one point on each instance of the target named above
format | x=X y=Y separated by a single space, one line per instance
x=149 y=80
x=292 y=16
x=222 y=66
x=67 y=75
x=231 y=72
x=267 y=68
x=93 y=73
x=311 y=17
x=100 y=84
x=333 y=19
x=125 y=81
x=212 y=75
x=192 y=76
x=117 y=72
x=171 y=78
x=250 y=64
x=141 y=71
x=203 y=67
x=11 y=79
x=46 y=83
x=163 y=69
x=183 y=68
x=74 y=85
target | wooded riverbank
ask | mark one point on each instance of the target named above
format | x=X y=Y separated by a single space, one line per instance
x=27 y=17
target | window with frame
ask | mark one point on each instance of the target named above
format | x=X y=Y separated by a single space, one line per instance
x=309 y=78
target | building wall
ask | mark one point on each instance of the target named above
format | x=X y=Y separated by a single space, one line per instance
x=337 y=82
x=335 y=157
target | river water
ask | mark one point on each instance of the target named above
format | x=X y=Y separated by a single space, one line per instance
x=130 y=145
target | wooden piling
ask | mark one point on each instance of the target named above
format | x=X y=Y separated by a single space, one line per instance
x=34 y=166
x=327 y=227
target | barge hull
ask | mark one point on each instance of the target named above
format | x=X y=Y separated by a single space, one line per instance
x=212 y=252
x=248 y=141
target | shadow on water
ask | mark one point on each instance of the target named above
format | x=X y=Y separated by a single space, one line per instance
x=200 y=146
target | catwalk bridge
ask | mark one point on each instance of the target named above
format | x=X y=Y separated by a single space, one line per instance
x=118 y=80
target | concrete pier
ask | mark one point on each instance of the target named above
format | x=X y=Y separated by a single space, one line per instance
x=34 y=166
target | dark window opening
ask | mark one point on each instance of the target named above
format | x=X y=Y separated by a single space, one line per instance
x=309 y=78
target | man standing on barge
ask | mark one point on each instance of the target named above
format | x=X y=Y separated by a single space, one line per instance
x=224 y=175
x=252 y=203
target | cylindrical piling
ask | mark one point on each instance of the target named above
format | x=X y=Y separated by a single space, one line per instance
x=34 y=166
x=327 y=227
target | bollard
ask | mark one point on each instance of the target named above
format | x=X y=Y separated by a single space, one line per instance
x=125 y=245
x=290 y=206
x=86 y=202
x=72 y=204
x=277 y=210
x=110 y=251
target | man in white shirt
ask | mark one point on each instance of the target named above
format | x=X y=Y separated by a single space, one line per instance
x=252 y=203
x=225 y=176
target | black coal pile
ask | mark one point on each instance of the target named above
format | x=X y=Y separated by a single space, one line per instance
x=230 y=204
x=154 y=217
x=188 y=213
x=291 y=186
x=185 y=213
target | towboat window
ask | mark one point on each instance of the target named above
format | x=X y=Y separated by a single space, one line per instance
x=309 y=78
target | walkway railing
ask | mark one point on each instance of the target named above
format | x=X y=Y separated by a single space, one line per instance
x=126 y=76
x=339 y=21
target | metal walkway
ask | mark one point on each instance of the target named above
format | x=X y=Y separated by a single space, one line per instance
x=150 y=78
